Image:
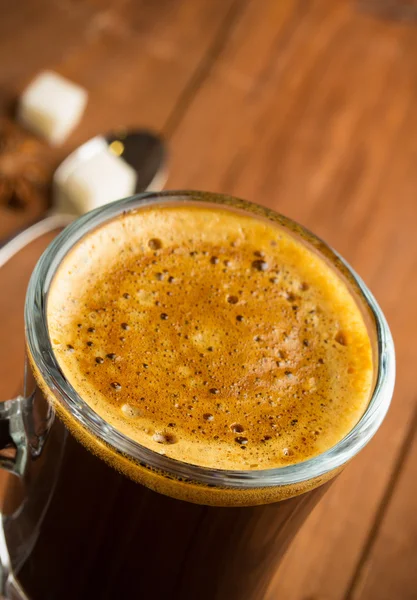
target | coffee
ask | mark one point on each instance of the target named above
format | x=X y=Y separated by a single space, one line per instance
x=212 y=337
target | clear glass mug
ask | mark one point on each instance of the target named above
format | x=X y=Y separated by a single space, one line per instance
x=74 y=527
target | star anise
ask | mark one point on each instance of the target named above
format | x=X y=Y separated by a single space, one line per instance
x=24 y=174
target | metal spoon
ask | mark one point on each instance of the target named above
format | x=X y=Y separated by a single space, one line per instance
x=142 y=150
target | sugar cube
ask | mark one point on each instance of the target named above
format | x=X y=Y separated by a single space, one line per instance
x=101 y=178
x=69 y=165
x=51 y=106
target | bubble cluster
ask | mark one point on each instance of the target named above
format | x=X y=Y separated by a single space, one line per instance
x=210 y=339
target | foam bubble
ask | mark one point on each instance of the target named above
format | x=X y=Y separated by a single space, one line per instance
x=237 y=428
x=130 y=411
x=260 y=265
x=241 y=440
x=165 y=438
x=155 y=244
x=341 y=338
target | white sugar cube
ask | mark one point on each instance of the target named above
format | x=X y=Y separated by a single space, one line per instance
x=82 y=154
x=100 y=179
x=51 y=106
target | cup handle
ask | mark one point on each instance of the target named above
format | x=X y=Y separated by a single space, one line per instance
x=14 y=454
x=13 y=437
x=16 y=435
x=13 y=459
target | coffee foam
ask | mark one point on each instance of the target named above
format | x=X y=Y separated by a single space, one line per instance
x=212 y=337
x=164 y=483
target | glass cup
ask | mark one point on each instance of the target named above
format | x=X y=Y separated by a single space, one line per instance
x=74 y=527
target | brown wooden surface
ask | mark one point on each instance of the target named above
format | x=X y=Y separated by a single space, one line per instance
x=308 y=107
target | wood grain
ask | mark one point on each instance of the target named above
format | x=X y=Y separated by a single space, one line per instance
x=306 y=107
x=389 y=570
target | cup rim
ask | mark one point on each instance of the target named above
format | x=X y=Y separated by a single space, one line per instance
x=40 y=348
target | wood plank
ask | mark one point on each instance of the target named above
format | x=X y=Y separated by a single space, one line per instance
x=390 y=569
x=315 y=123
x=135 y=58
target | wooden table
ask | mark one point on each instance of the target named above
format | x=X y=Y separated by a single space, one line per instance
x=309 y=108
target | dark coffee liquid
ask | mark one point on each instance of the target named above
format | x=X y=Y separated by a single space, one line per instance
x=106 y=537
